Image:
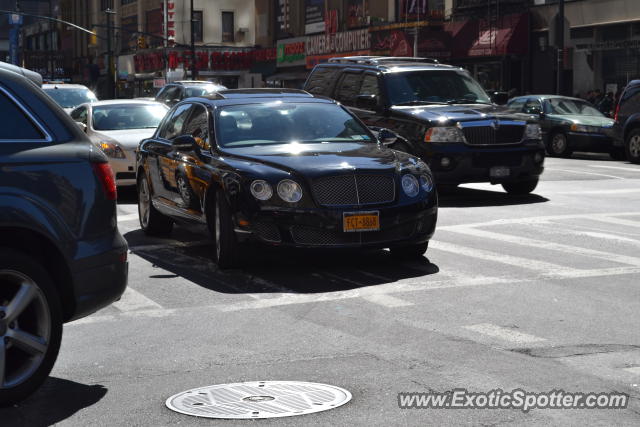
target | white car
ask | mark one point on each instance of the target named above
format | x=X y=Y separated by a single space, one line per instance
x=69 y=96
x=117 y=127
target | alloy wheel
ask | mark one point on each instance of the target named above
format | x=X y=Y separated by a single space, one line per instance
x=634 y=146
x=144 y=203
x=559 y=143
x=25 y=328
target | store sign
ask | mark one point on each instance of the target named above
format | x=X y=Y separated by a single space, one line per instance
x=347 y=41
x=171 y=21
x=158 y=83
x=610 y=45
x=205 y=60
x=314 y=16
x=291 y=52
x=282 y=17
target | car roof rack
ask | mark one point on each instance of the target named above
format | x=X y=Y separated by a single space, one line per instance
x=379 y=60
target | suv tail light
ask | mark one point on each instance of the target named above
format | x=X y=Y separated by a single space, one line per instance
x=105 y=175
x=615 y=116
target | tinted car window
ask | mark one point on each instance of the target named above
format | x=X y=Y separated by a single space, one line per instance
x=630 y=101
x=570 y=106
x=434 y=86
x=197 y=125
x=173 y=125
x=259 y=124
x=348 y=88
x=69 y=98
x=516 y=105
x=369 y=85
x=80 y=115
x=15 y=124
x=321 y=81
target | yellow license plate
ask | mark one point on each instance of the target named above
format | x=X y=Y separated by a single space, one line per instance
x=361 y=221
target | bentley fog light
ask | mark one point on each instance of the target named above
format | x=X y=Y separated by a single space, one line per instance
x=261 y=189
x=289 y=191
x=410 y=185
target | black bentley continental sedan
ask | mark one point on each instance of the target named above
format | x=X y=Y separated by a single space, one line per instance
x=286 y=168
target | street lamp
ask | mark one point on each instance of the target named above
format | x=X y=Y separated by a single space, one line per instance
x=560 y=38
x=194 y=71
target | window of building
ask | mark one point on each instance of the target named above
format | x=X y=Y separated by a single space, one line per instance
x=123 y=2
x=227 y=27
x=197 y=26
x=582 y=33
x=106 y=4
x=615 y=32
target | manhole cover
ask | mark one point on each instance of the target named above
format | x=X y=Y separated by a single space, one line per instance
x=259 y=399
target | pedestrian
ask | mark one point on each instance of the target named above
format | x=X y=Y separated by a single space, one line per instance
x=606 y=104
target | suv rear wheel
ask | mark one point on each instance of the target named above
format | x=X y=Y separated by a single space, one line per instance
x=632 y=146
x=30 y=325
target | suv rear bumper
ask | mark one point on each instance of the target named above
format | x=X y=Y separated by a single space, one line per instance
x=471 y=164
x=100 y=278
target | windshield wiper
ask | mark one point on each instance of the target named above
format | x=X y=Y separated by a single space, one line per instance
x=466 y=101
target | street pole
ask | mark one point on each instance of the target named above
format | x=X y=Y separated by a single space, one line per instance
x=560 y=36
x=51 y=51
x=110 y=93
x=194 y=71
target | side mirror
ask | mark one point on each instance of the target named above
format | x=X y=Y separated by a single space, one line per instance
x=367 y=102
x=82 y=126
x=387 y=137
x=500 y=98
x=184 y=143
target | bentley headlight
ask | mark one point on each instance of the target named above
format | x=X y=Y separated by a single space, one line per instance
x=111 y=149
x=410 y=185
x=426 y=183
x=261 y=189
x=289 y=191
x=533 y=131
x=444 y=134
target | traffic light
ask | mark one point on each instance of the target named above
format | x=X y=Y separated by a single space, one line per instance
x=142 y=42
x=93 y=38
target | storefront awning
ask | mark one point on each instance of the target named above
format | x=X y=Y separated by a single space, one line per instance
x=508 y=37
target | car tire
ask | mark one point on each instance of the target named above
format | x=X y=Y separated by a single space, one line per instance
x=152 y=222
x=632 y=146
x=618 y=154
x=520 y=187
x=558 y=145
x=31 y=310
x=227 y=248
x=409 y=252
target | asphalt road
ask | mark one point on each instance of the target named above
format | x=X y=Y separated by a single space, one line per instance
x=539 y=293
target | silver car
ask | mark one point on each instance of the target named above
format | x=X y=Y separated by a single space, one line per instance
x=117 y=127
x=69 y=96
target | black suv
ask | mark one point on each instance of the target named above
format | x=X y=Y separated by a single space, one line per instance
x=440 y=114
x=61 y=255
x=627 y=117
x=175 y=92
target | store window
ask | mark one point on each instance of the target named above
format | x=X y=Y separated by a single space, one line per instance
x=197 y=26
x=227 y=27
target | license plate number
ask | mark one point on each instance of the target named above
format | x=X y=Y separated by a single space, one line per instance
x=361 y=221
x=499 y=172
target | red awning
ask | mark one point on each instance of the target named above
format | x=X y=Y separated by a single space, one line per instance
x=509 y=37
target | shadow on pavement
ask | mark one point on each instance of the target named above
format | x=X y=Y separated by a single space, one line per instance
x=461 y=197
x=128 y=195
x=55 y=401
x=272 y=269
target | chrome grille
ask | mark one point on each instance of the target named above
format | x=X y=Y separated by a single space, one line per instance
x=487 y=135
x=354 y=190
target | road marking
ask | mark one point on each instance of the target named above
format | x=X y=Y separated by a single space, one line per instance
x=605 y=192
x=142 y=314
x=585 y=173
x=133 y=300
x=387 y=300
x=128 y=217
x=538 y=219
x=504 y=334
x=599 y=235
x=616 y=167
x=618 y=221
x=549 y=269
x=634 y=370
x=542 y=244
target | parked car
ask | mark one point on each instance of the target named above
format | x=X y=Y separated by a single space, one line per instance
x=627 y=117
x=175 y=92
x=284 y=168
x=569 y=124
x=117 y=127
x=439 y=113
x=69 y=96
x=61 y=255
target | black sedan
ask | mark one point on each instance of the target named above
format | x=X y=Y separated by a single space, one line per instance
x=569 y=124
x=285 y=168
